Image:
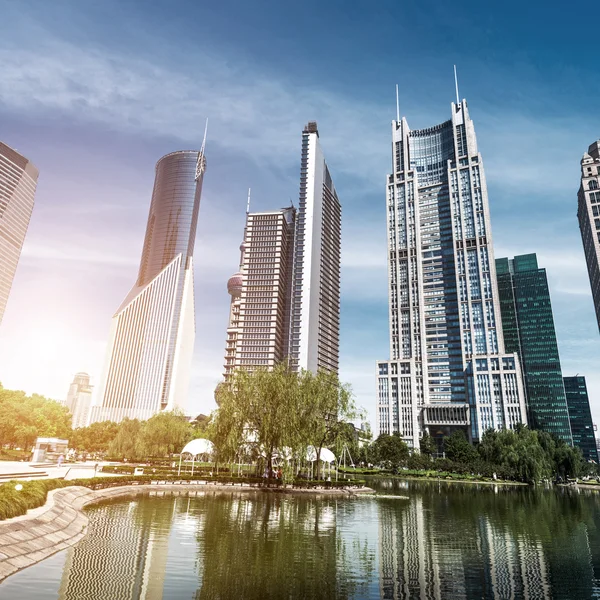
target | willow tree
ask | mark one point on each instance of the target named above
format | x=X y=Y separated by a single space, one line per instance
x=259 y=407
x=327 y=405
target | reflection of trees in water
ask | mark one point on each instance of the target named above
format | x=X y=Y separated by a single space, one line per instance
x=276 y=547
x=464 y=541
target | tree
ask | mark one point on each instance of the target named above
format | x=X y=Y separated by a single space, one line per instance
x=458 y=449
x=427 y=445
x=390 y=451
x=258 y=408
x=95 y=437
x=127 y=443
x=165 y=433
x=326 y=406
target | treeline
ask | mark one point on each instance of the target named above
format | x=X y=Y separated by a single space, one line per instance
x=24 y=418
x=164 y=434
x=520 y=455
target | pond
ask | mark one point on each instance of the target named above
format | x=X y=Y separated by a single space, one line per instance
x=418 y=540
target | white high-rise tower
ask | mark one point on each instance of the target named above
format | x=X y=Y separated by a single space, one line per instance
x=448 y=368
x=315 y=318
x=152 y=334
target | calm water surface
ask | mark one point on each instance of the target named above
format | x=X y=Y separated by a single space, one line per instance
x=422 y=540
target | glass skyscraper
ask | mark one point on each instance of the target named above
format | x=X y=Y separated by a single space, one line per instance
x=580 y=416
x=153 y=332
x=18 y=182
x=528 y=325
x=448 y=367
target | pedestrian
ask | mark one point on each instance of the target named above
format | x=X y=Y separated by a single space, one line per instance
x=279 y=473
x=60 y=460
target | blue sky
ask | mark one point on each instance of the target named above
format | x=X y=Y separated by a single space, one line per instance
x=95 y=93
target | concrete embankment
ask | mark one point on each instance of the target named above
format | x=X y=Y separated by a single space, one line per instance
x=61 y=522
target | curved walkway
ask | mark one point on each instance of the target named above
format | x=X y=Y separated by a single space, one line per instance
x=61 y=522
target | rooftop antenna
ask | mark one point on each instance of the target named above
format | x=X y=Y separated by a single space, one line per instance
x=201 y=162
x=248 y=205
x=397 y=106
x=456 y=85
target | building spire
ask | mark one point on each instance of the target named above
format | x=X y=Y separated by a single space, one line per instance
x=456 y=86
x=248 y=204
x=201 y=163
x=397 y=106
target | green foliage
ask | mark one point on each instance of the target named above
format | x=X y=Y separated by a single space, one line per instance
x=390 y=451
x=94 y=438
x=279 y=410
x=457 y=448
x=24 y=418
x=427 y=445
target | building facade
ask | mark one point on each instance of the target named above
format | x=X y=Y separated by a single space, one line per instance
x=580 y=417
x=528 y=326
x=79 y=400
x=588 y=213
x=448 y=367
x=315 y=317
x=259 y=315
x=18 y=182
x=152 y=335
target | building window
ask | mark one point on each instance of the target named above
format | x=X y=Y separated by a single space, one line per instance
x=593 y=185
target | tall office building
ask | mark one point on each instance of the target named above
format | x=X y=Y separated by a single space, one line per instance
x=588 y=213
x=285 y=298
x=448 y=367
x=79 y=400
x=259 y=315
x=315 y=318
x=18 y=181
x=580 y=416
x=528 y=326
x=152 y=335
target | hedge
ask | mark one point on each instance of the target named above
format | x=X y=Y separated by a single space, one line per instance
x=15 y=502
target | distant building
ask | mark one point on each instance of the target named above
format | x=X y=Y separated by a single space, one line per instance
x=152 y=335
x=580 y=416
x=588 y=213
x=79 y=400
x=528 y=325
x=81 y=380
x=259 y=315
x=315 y=318
x=18 y=182
x=449 y=369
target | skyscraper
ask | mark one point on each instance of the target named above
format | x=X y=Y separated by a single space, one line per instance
x=79 y=400
x=152 y=334
x=18 y=182
x=448 y=368
x=588 y=213
x=315 y=317
x=528 y=326
x=580 y=416
x=259 y=316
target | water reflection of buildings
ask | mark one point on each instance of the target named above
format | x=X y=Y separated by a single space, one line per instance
x=434 y=559
x=124 y=562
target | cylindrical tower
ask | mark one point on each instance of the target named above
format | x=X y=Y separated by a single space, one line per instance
x=173 y=215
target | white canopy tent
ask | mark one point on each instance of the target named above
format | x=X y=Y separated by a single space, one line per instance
x=196 y=448
x=326 y=456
